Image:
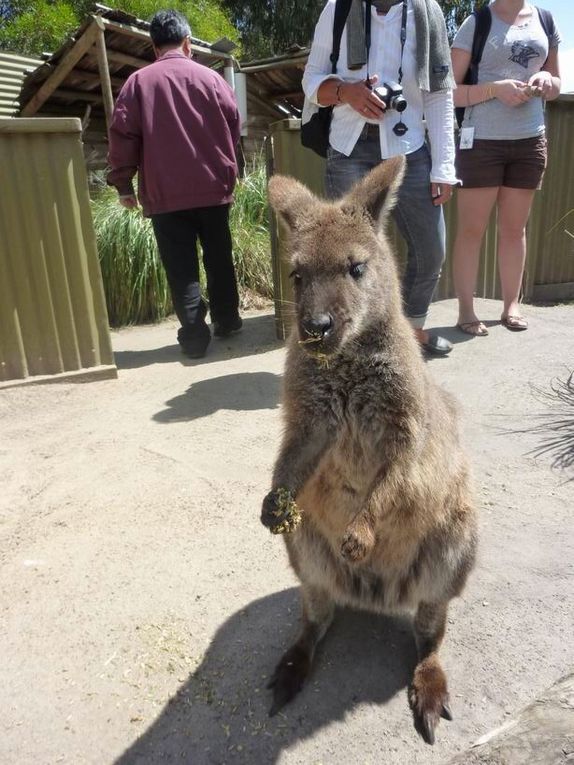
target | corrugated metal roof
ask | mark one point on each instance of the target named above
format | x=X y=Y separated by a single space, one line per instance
x=13 y=70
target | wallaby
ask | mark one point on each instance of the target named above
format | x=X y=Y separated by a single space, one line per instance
x=370 y=461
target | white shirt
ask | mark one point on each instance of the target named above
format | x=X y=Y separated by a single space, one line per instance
x=384 y=61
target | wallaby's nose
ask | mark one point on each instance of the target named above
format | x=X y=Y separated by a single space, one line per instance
x=318 y=325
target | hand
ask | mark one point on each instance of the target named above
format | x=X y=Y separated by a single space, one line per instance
x=511 y=92
x=129 y=200
x=441 y=193
x=543 y=83
x=360 y=96
x=279 y=512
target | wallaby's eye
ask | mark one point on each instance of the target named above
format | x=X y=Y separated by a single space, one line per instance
x=296 y=276
x=357 y=270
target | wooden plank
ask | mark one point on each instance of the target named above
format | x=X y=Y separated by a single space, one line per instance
x=543 y=733
x=65 y=66
x=70 y=94
x=126 y=59
x=106 y=82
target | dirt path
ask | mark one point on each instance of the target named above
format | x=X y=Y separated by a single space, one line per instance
x=143 y=605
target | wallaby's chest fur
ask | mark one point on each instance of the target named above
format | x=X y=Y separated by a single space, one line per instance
x=368 y=407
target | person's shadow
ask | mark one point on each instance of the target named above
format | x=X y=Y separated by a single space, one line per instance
x=246 y=391
x=220 y=714
x=258 y=336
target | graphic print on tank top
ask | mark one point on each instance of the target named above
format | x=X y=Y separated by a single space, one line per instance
x=522 y=54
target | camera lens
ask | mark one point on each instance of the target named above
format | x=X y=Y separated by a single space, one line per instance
x=399 y=104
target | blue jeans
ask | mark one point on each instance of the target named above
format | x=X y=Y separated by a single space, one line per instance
x=420 y=223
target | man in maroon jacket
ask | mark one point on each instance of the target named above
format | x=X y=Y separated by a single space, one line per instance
x=177 y=125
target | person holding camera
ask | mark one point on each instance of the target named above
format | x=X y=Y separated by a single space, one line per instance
x=502 y=150
x=393 y=72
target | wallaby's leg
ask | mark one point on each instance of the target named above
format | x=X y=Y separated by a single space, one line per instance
x=295 y=665
x=428 y=693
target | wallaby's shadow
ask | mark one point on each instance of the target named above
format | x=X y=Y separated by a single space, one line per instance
x=221 y=712
x=247 y=391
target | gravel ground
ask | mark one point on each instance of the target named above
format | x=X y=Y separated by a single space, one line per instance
x=144 y=607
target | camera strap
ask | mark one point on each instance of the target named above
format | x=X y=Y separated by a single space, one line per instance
x=400 y=128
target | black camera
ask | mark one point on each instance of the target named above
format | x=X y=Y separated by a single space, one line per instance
x=391 y=94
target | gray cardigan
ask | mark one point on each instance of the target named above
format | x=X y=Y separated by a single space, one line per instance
x=433 y=49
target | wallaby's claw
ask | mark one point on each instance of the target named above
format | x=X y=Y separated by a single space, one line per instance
x=429 y=702
x=353 y=548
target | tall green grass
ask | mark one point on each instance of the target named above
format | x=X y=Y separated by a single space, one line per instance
x=134 y=280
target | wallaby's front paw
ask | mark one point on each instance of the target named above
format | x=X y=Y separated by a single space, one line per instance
x=280 y=513
x=354 y=547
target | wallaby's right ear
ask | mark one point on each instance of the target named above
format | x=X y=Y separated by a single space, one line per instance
x=377 y=192
x=291 y=200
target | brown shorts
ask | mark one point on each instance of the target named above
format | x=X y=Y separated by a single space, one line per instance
x=517 y=164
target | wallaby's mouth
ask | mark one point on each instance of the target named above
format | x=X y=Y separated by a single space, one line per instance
x=320 y=347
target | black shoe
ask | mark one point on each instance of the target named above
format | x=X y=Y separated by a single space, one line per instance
x=227 y=327
x=195 y=346
x=437 y=345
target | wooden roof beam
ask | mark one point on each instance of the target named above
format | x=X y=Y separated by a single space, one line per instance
x=126 y=60
x=68 y=62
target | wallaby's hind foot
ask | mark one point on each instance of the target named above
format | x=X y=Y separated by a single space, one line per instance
x=295 y=665
x=428 y=694
x=428 y=697
x=289 y=676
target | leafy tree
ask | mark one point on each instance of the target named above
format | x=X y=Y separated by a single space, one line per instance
x=33 y=30
x=34 y=26
x=271 y=27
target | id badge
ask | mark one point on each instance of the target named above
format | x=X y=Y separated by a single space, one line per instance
x=466 y=138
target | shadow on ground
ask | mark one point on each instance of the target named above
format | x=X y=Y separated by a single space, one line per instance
x=258 y=335
x=246 y=391
x=221 y=713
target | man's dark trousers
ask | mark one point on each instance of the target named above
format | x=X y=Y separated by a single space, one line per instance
x=176 y=234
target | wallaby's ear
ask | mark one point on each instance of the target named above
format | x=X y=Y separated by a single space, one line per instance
x=377 y=192
x=291 y=200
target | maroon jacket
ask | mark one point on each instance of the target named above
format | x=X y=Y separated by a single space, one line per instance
x=176 y=123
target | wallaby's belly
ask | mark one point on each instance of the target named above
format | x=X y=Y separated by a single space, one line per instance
x=410 y=563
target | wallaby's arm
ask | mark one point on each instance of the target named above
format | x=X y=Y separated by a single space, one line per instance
x=391 y=446
x=299 y=456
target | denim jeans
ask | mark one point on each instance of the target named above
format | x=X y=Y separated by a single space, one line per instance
x=420 y=223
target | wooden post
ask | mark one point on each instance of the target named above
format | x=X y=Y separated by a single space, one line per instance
x=65 y=66
x=104 y=70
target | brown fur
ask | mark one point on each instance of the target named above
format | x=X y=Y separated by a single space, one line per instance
x=370 y=450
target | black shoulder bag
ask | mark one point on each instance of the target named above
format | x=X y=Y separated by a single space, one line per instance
x=315 y=132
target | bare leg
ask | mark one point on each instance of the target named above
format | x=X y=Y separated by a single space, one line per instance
x=295 y=665
x=428 y=695
x=474 y=207
x=513 y=211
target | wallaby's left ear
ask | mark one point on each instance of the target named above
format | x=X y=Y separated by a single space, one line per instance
x=291 y=200
x=377 y=192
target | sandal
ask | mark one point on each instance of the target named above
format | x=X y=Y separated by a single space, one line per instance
x=514 y=323
x=468 y=326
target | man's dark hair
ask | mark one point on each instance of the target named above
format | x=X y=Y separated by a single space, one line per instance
x=168 y=28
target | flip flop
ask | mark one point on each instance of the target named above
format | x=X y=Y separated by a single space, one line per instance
x=514 y=323
x=466 y=327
